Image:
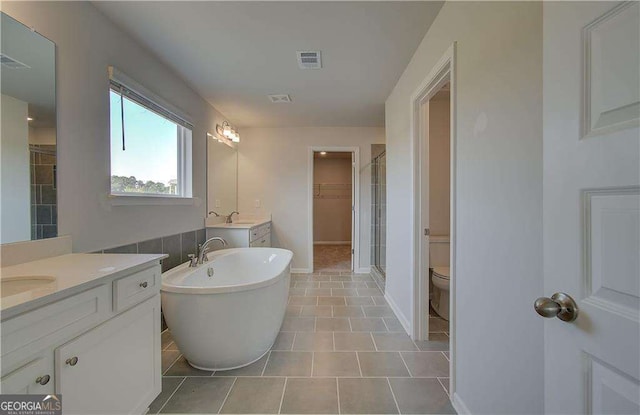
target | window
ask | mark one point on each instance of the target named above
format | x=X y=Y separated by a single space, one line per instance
x=150 y=144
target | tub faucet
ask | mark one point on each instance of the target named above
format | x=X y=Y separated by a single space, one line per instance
x=206 y=248
x=230 y=217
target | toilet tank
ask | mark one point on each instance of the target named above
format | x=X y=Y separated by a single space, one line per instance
x=438 y=251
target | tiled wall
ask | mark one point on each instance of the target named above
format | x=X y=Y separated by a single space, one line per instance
x=44 y=208
x=177 y=246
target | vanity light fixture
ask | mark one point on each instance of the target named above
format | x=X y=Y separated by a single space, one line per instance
x=226 y=130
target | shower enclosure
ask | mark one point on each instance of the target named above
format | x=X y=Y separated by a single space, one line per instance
x=379 y=211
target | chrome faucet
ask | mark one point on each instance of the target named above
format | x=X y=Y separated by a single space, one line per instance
x=230 y=217
x=204 y=249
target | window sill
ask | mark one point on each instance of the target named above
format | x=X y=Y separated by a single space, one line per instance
x=148 y=200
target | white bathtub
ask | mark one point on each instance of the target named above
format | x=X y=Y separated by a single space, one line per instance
x=230 y=319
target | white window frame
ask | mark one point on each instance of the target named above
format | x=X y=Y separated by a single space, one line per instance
x=184 y=143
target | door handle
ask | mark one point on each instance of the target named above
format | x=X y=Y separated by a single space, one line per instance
x=560 y=305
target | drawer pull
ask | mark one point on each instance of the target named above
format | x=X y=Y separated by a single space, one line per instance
x=144 y=284
x=72 y=361
x=43 y=380
x=263 y=241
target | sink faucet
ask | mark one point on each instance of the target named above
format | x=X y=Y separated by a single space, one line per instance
x=215 y=213
x=204 y=249
x=230 y=217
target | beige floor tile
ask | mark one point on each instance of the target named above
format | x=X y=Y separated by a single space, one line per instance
x=378 y=311
x=338 y=364
x=289 y=364
x=393 y=324
x=293 y=310
x=341 y=278
x=387 y=364
x=368 y=324
x=169 y=385
x=393 y=342
x=348 y=311
x=315 y=341
x=320 y=278
x=380 y=301
x=331 y=301
x=168 y=357
x=332 y=324
x=426 y=364
x=353 y=342
x=359 y=301
x=198 y=396
x=318 y=292
x=298 y=324
x=297 y=292
x=165 y=339
x=316 y=311
x=344 y=292
x=354 y=284
x=254 y=369
x=436 y=342
x=295 y=300
x=182 y=368
x=445 y=383
x=284 y=341
x=254 y=396
x=328 y=284
x=438 y=325
x=366 y=396
x=421 y=396
x=310 y=396
x=307 y=284
x=369 y=292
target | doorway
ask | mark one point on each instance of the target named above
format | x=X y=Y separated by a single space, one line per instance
x=334 y=214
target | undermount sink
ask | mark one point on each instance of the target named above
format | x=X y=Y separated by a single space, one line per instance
x=244 y=222
x=16 y=285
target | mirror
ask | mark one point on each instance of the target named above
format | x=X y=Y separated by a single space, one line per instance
x=28 y=187
x=222 y=176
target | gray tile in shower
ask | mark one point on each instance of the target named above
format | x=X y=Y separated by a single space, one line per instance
x=43 y=214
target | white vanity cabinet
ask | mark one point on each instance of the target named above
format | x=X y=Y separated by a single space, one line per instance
x=99 y=347
x=237 y=236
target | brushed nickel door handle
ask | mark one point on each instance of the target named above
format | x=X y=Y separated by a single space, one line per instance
x=560 y=305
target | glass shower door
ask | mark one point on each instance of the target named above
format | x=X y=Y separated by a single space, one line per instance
x=379 y=213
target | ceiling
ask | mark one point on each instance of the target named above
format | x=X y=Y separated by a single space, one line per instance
x=234 y=54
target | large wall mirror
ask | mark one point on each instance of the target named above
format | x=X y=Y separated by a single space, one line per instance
x=28 y=187
x=222 y=176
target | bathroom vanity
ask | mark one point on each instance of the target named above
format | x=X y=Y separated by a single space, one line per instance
x=86 y=326
x=243 y=233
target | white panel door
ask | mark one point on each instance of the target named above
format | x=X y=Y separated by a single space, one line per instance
x=592 y=205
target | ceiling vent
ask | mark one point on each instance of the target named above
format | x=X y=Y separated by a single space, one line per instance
x=280 y=98
x=309 y=59
x=11 y=63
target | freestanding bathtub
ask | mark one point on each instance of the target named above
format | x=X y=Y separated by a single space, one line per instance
x=227 y=312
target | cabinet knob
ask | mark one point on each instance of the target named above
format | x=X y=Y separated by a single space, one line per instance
x=43 y=380
x=72 y=361
x=144 y=284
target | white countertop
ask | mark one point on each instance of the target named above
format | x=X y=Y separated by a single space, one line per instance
x=242 y=224
x=73 y=272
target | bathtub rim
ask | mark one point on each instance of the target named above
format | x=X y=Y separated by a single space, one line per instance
x=167 y=287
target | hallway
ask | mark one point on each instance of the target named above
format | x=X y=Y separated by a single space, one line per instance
x=340 y=350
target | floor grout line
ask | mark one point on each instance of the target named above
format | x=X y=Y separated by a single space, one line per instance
x=374 y=341
x=228 y=393
x=173 y=363
x=358 y=359
x=338 y=393
x=313 y=358
x=443 y=387
x=284 y=388
x=293 y=343
x=171 y=396
x=267 y=362
x=406 y=365
x=393 y=395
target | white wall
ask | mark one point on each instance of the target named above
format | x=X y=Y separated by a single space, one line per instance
x=87 y=42
x=42 y=136
x=499 y=198
x=332 y=215
x=439 y=163
x=15 y=188
x=273 y=167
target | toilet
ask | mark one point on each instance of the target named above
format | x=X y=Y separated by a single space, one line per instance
x=440 y=301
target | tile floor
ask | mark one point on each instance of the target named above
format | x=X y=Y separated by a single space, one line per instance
x=341 y=350
x=336 y=258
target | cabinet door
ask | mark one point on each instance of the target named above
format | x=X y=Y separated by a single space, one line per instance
x=114 y=368
x=36 y=377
